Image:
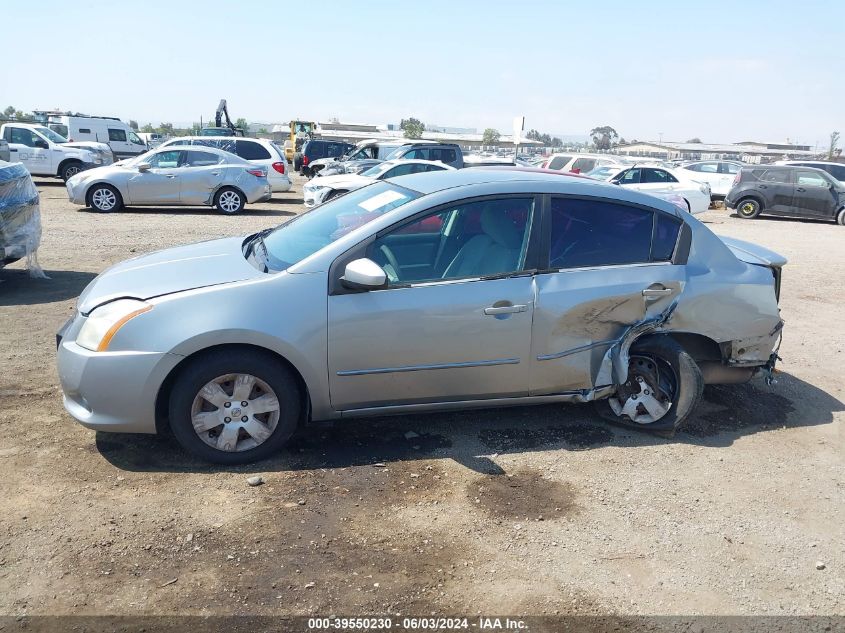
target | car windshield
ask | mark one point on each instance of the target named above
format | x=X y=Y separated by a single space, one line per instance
x=50 y=134
x=308 y=233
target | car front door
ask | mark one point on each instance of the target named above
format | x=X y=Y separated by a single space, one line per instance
x=199 y=176
x=609 y=268
x=777 y=189
x=454 y=322
x=814 y=195
x=29 y=148
x=160 y=184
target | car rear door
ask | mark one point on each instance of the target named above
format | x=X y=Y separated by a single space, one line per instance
x=777 y=189
x=199 y=176
x=608 y=267
x=813 y=194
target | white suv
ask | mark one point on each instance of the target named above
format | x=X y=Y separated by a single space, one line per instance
x=579 y=163
x=258 y=151
x=719 y=174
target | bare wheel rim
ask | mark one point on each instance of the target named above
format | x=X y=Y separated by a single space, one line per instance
x=104 y=199
x=229 y=201
x=235 y=412
x=747 y=208
x=72 y=171
x=649 y=392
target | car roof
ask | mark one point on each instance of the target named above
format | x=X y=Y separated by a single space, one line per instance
x=414 y=161
x=196 y=148
x=175 y=141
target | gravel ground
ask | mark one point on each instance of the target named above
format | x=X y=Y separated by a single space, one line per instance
x=525 y=511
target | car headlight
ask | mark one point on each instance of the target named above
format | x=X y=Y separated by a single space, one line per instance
x=104 y=322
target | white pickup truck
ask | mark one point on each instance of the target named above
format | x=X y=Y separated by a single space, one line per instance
x=45 y=153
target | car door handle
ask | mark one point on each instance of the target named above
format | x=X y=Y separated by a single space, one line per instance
x=657 y=292
x=215 y=173
x=800 y=189
x=494 y=310
x=170 y=175
x=12 y=150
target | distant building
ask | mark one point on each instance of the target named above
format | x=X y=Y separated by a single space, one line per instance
x=747 y=151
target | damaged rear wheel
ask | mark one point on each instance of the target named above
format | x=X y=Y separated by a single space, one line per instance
x=664 y=385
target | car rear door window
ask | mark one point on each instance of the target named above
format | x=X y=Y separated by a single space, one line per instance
x=775 y=175
x=201 y=159
x=558 y=162
x=250 y=150
x=592 y=232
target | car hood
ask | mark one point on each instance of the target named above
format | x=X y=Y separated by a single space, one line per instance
x=171 y=270
x=101 y=147
x=753 y=254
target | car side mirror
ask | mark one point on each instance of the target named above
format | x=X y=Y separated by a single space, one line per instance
x=363 y=274
x=144 y=166
x=41 y=145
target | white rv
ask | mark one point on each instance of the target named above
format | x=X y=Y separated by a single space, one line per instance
x=122 y=139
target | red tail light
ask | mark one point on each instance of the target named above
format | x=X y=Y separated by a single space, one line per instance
x=305 y=160
x=279 y=167
x=258 y=173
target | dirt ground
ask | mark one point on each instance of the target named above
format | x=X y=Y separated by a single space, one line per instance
x=513 y=511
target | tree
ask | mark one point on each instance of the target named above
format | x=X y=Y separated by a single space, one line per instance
x=412 y=127
x=491 y=136
x=242 y=123
x=9 y=111
x=604 y=137
x=196 y=128
x=148 y=128
x=133 y=124
x=165 y=128
x=694 y=140
x=834 y=142
x=556 y=142
x=622 y=141
x=263 y=130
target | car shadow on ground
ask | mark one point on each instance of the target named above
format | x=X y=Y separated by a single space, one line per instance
x=780 y=218
x=248 y=210
x=18 y=288
x=474 y=438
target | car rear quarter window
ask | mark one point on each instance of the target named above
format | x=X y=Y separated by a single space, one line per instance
x=729 y=168
x=201 y=159
x=558 y=162
x=250 y=150
x=666 y=229
x=657 y=176
x=591 y=232
x=583 y=165
x=837 y=171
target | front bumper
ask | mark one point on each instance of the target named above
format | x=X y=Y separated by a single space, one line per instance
x=112 y=391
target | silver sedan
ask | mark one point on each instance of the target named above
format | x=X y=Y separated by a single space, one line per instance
x=172 y=176
x=442 y=290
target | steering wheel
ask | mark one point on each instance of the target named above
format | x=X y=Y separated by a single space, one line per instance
x=391 y=259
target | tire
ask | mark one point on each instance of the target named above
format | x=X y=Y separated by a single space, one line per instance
x=229 y=201
x=222 y=368
x=656 y=360
x=70 y=169
x=104 y=198
x=748 y=208
x=840 y=218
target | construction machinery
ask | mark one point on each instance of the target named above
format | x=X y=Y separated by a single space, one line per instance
x=219 y=129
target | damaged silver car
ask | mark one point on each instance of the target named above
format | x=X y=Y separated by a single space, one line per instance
x=441 y=290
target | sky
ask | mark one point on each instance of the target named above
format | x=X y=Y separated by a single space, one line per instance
x=719 y=70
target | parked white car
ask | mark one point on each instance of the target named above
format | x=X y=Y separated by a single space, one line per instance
x=122 y=139
x=695 y=195
x=45 y=153
x=579 y=163
x=719 y=174
x=258 y=151
x=319 y=190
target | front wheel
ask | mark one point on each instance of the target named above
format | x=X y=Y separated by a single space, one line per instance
x=664 y=386
x=104 y=198
x=234 y=407
x=748 y=209
x=229 y=201
x=840 y=218
x=69 y=170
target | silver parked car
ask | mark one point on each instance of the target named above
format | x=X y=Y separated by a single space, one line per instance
x=172 y=176
x=450 y=289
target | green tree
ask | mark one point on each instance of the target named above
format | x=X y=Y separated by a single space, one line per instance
x=834 y=150
x=9 y=111
x=165 y=128
x=604 y=137
x=242 y=124
x=412 y=127
x=196 y=128
x=694 y=140
x=263 y=130
x=148 y=128
x=133 y=124
x=556 y=142
x=491 y=136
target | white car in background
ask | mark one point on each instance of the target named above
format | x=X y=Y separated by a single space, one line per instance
x=719 y=174
x=579 y=163
x=837 y=170
x=320 y=190
x=660 y=180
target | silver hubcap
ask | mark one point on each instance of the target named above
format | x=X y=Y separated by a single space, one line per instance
x=235 y=412
x=229 y=201
x=104 y=199
x=645 y=398
x=71 y=171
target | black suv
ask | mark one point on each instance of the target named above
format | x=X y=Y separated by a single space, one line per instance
x=318 y=148
x=787 y=190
